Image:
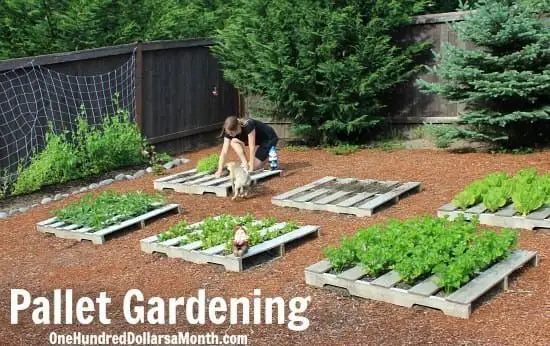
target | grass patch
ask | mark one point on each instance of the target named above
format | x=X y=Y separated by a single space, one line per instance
x=297 y=148
x=343 y=149
x=208 y=164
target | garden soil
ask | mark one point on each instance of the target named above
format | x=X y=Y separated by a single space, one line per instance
x=42 y=263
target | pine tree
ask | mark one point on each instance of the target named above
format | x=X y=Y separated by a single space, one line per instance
x=325 y=65
x=505 y=82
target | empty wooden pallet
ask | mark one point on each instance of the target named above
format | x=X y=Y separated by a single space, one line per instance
x=70 y=231
x=426 y=292
x=193 y=252
x=199 y=183
x=504 y=217
x=346 y=196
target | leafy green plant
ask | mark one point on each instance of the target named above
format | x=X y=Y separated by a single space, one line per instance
x=343 y=149
x=528 y=198
x=471 y=195
x=442 y=134
x=117 y=142
x=512 y=40
x=208 y=164
x=495 y=198
x=297 y=148
x=57 y=163
x=219 y=230
x=108 y=208
x=327 y=66
x=422 y=246
x=527 y=190
x=89 y=150
x=485 y=248
x=5 y=183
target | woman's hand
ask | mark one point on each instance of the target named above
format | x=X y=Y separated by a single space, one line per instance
x=218 y=173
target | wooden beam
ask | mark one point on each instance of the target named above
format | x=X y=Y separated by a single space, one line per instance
x=185 y=133
x=139 y=87
x=52 y=59
x=440 y=17
x=161 y=45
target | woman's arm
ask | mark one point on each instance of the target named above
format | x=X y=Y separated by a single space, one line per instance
x=252 y=146
x=223 y=154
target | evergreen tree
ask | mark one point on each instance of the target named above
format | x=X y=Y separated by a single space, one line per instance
x=505 y=82
x=35 y=27
x=325 y=65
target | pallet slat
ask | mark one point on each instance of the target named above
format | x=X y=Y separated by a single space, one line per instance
x=458 y=304
x=205 y=182
x=352 y=274
x=426 y=288
x=193 y=253
x=333 y=197
x=476 y=209
x=355 y=199
x=308 y=197
x=61 y=230
x=304 y=188
x=540 y=214
x=508 y=210
x=358 y=204
x=387 y=280
x=505 y=217
x=486 y=280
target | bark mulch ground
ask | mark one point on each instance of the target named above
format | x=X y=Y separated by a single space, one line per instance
x=41 y=263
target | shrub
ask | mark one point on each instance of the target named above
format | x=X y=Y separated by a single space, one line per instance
x=57 y=163
x=327 y=66
x=505 y=82
x=116 y=143
x=91 y=149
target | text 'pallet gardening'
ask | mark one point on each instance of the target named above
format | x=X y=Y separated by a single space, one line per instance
x=72 y=231
x=504 y=217
x=191 y=246
x=199 y=183
x=426 y=293
x=346 y=196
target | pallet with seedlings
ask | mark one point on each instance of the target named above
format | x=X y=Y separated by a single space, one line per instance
x=193 y=182
x=427 y=261
x=195 y=251
x=518 y=201
x=426 y=293
x=94 y=218
x=346 y=196
x=506 y=216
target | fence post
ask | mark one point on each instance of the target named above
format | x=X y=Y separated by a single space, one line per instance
x=139 y=86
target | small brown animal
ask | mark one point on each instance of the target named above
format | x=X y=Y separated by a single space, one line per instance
x=240 y=241
x=240 y=180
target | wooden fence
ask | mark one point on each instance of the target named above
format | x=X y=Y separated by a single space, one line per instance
x=411 y=106
x=181 y=98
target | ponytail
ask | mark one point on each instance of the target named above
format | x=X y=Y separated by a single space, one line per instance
x=231 y=123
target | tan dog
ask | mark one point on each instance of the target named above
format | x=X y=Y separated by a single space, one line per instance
x=240 y=180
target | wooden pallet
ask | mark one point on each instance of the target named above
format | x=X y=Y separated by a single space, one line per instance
x=193 y=253
x=70 y=231
x=504 y=217
x=346 y=196
x=199 y=183
x=426 y=292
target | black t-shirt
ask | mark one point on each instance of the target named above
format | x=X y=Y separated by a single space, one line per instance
x=264 y=133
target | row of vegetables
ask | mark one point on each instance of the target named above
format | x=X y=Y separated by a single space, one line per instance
x=419 y=247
